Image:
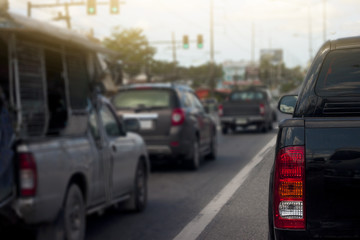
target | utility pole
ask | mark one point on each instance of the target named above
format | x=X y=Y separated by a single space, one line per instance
x=174 y=53
x=324 y=20
x=253 y=43
x=173 y=41
x=310 y=31
x=212 y=61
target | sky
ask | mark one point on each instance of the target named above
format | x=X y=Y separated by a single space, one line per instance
x=276 y=24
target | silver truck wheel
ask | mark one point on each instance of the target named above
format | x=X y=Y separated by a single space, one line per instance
x=74 y=214
x=70 y=224
x=140 y=192
x=138 y=199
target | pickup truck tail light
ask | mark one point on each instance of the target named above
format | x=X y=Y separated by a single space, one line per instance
x=289 y=188
x=262 y=109
x=28 y=175
x=177 y=117
x=220 y=110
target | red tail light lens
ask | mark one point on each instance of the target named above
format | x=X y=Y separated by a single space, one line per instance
x=289 y=188
x=262 y=109
x=28 y=175
x=177 y=117
x=220 y=110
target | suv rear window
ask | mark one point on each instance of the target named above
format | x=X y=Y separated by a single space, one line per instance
x=143 y=98
x=247 y=96
x=340 y=74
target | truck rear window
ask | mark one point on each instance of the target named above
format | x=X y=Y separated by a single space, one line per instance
x=340 y=74
x=247 y=96
x=143 y=98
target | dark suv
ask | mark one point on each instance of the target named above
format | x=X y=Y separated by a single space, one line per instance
x=172 y=120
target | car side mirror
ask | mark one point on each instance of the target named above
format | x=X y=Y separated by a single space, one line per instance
x=287 y=104
x=131 y=125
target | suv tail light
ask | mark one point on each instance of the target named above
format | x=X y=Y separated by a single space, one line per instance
x=220 y=110
x=262 y=109
x=28 y=175
x=289 y=188
x=177 y=117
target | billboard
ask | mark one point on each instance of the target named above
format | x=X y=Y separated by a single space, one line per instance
x=273 y=55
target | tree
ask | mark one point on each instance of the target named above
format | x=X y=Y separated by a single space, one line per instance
x=201 y=74
x=133 y=48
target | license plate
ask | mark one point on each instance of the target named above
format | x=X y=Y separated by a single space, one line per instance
x=146 y=124
x=241 y=121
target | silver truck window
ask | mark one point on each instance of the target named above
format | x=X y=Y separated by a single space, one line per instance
x=93 y=125
x=109 y=122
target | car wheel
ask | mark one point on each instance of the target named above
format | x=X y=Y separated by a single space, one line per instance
x=271 y=125
x=138 y=199
x=194 y=161
x=213 y=148
x=224 y=130
x=71 y=222
x=262 y=128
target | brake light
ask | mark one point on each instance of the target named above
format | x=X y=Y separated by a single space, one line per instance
x=28 y=175
x=289 y=188
x=177 y=117
x=220 y=110
x=262 y=109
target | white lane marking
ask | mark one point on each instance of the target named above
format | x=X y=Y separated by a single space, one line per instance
x=194 y=228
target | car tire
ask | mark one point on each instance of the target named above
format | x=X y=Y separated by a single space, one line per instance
x=262 y=128
x=224 y=130
x=213 y=148
x=194 y=160
x=138 y=199
x=71 y=222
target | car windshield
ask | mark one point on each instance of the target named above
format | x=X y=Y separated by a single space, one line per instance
x=143 y=98
x=340 y=74
x=246 y=96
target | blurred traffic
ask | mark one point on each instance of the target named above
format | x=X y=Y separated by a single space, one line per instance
x=103 y=116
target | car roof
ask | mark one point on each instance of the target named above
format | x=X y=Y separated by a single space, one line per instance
x=176 y=86
x=343 y=43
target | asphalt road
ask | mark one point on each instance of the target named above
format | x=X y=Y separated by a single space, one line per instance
x=177 y=196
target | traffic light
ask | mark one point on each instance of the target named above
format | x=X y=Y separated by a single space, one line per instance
x=91 y=7
x=114 y=6
x=185 y=42
x=200 y=41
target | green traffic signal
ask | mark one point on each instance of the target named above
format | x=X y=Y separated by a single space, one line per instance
x=186 y=42
x=91 y=7
x=114 y=6
x=200 y=41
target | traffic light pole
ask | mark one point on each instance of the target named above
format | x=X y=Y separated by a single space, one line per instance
x=212 y=60
x=66 y=5
x=174 y=48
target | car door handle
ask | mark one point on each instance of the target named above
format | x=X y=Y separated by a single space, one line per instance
x=113 y=147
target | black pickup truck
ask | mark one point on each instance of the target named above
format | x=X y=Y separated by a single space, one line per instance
x=314 y=190
x=248 y=107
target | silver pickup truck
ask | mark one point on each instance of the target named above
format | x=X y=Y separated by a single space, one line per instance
x=64 y=178
x=71 y=155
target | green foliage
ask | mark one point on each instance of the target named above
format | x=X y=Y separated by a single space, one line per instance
x=201 y=75
x=281 y=77
x=133 y=48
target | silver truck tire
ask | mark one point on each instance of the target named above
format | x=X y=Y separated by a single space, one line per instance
x=71 y=222
x=138 y=199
